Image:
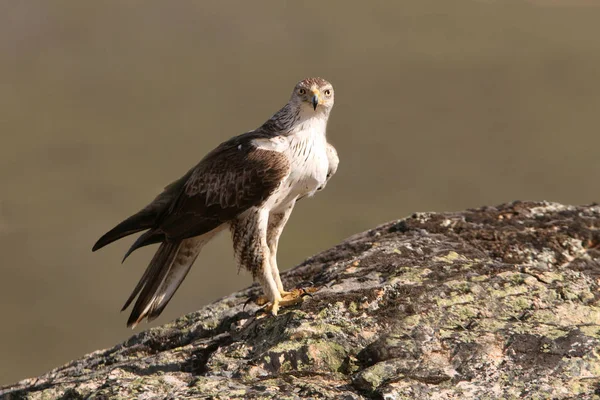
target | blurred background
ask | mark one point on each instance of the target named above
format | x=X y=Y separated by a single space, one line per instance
x=440 y=105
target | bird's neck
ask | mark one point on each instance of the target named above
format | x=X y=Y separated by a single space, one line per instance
x=312 y=125
x=295 y=120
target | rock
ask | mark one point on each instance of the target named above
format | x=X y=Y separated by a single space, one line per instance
x=498 y=302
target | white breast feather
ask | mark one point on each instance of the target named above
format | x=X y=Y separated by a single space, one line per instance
x=306 y=148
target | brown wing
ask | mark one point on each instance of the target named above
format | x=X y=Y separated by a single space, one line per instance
x=228 y=181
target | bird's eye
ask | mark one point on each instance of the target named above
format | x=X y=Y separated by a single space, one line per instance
x=327 y=92
x=301 y=92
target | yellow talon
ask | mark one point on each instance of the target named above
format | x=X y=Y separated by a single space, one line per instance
x=290 y=298
x=275 y=307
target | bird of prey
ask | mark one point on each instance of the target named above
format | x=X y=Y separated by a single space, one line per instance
x=248 y=184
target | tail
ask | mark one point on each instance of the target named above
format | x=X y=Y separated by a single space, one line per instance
x=162 y=278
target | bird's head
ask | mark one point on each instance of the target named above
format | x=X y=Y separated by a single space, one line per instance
x=313 y=93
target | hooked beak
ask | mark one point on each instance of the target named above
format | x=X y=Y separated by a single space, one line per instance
x=315 y=99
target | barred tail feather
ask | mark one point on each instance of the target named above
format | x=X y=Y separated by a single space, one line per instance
x=151 y=280
x=162 y=278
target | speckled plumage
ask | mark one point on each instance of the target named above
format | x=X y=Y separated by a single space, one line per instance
x=248 y=184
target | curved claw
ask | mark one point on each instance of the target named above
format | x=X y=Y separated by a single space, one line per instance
x=249 y=300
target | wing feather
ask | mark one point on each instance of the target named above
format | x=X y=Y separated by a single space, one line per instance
x=145 y=218
x=231 y=179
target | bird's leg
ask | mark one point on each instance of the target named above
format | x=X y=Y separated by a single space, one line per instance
x=276 y=224
x=276 y=277
x=270 y=289
x=252 y=252
x=262 y=261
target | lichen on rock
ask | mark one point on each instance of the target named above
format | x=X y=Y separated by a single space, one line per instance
x=493 y=303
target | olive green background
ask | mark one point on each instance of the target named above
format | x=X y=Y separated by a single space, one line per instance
x=440 y=105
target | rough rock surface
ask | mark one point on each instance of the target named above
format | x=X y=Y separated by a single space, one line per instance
x=494 y=303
